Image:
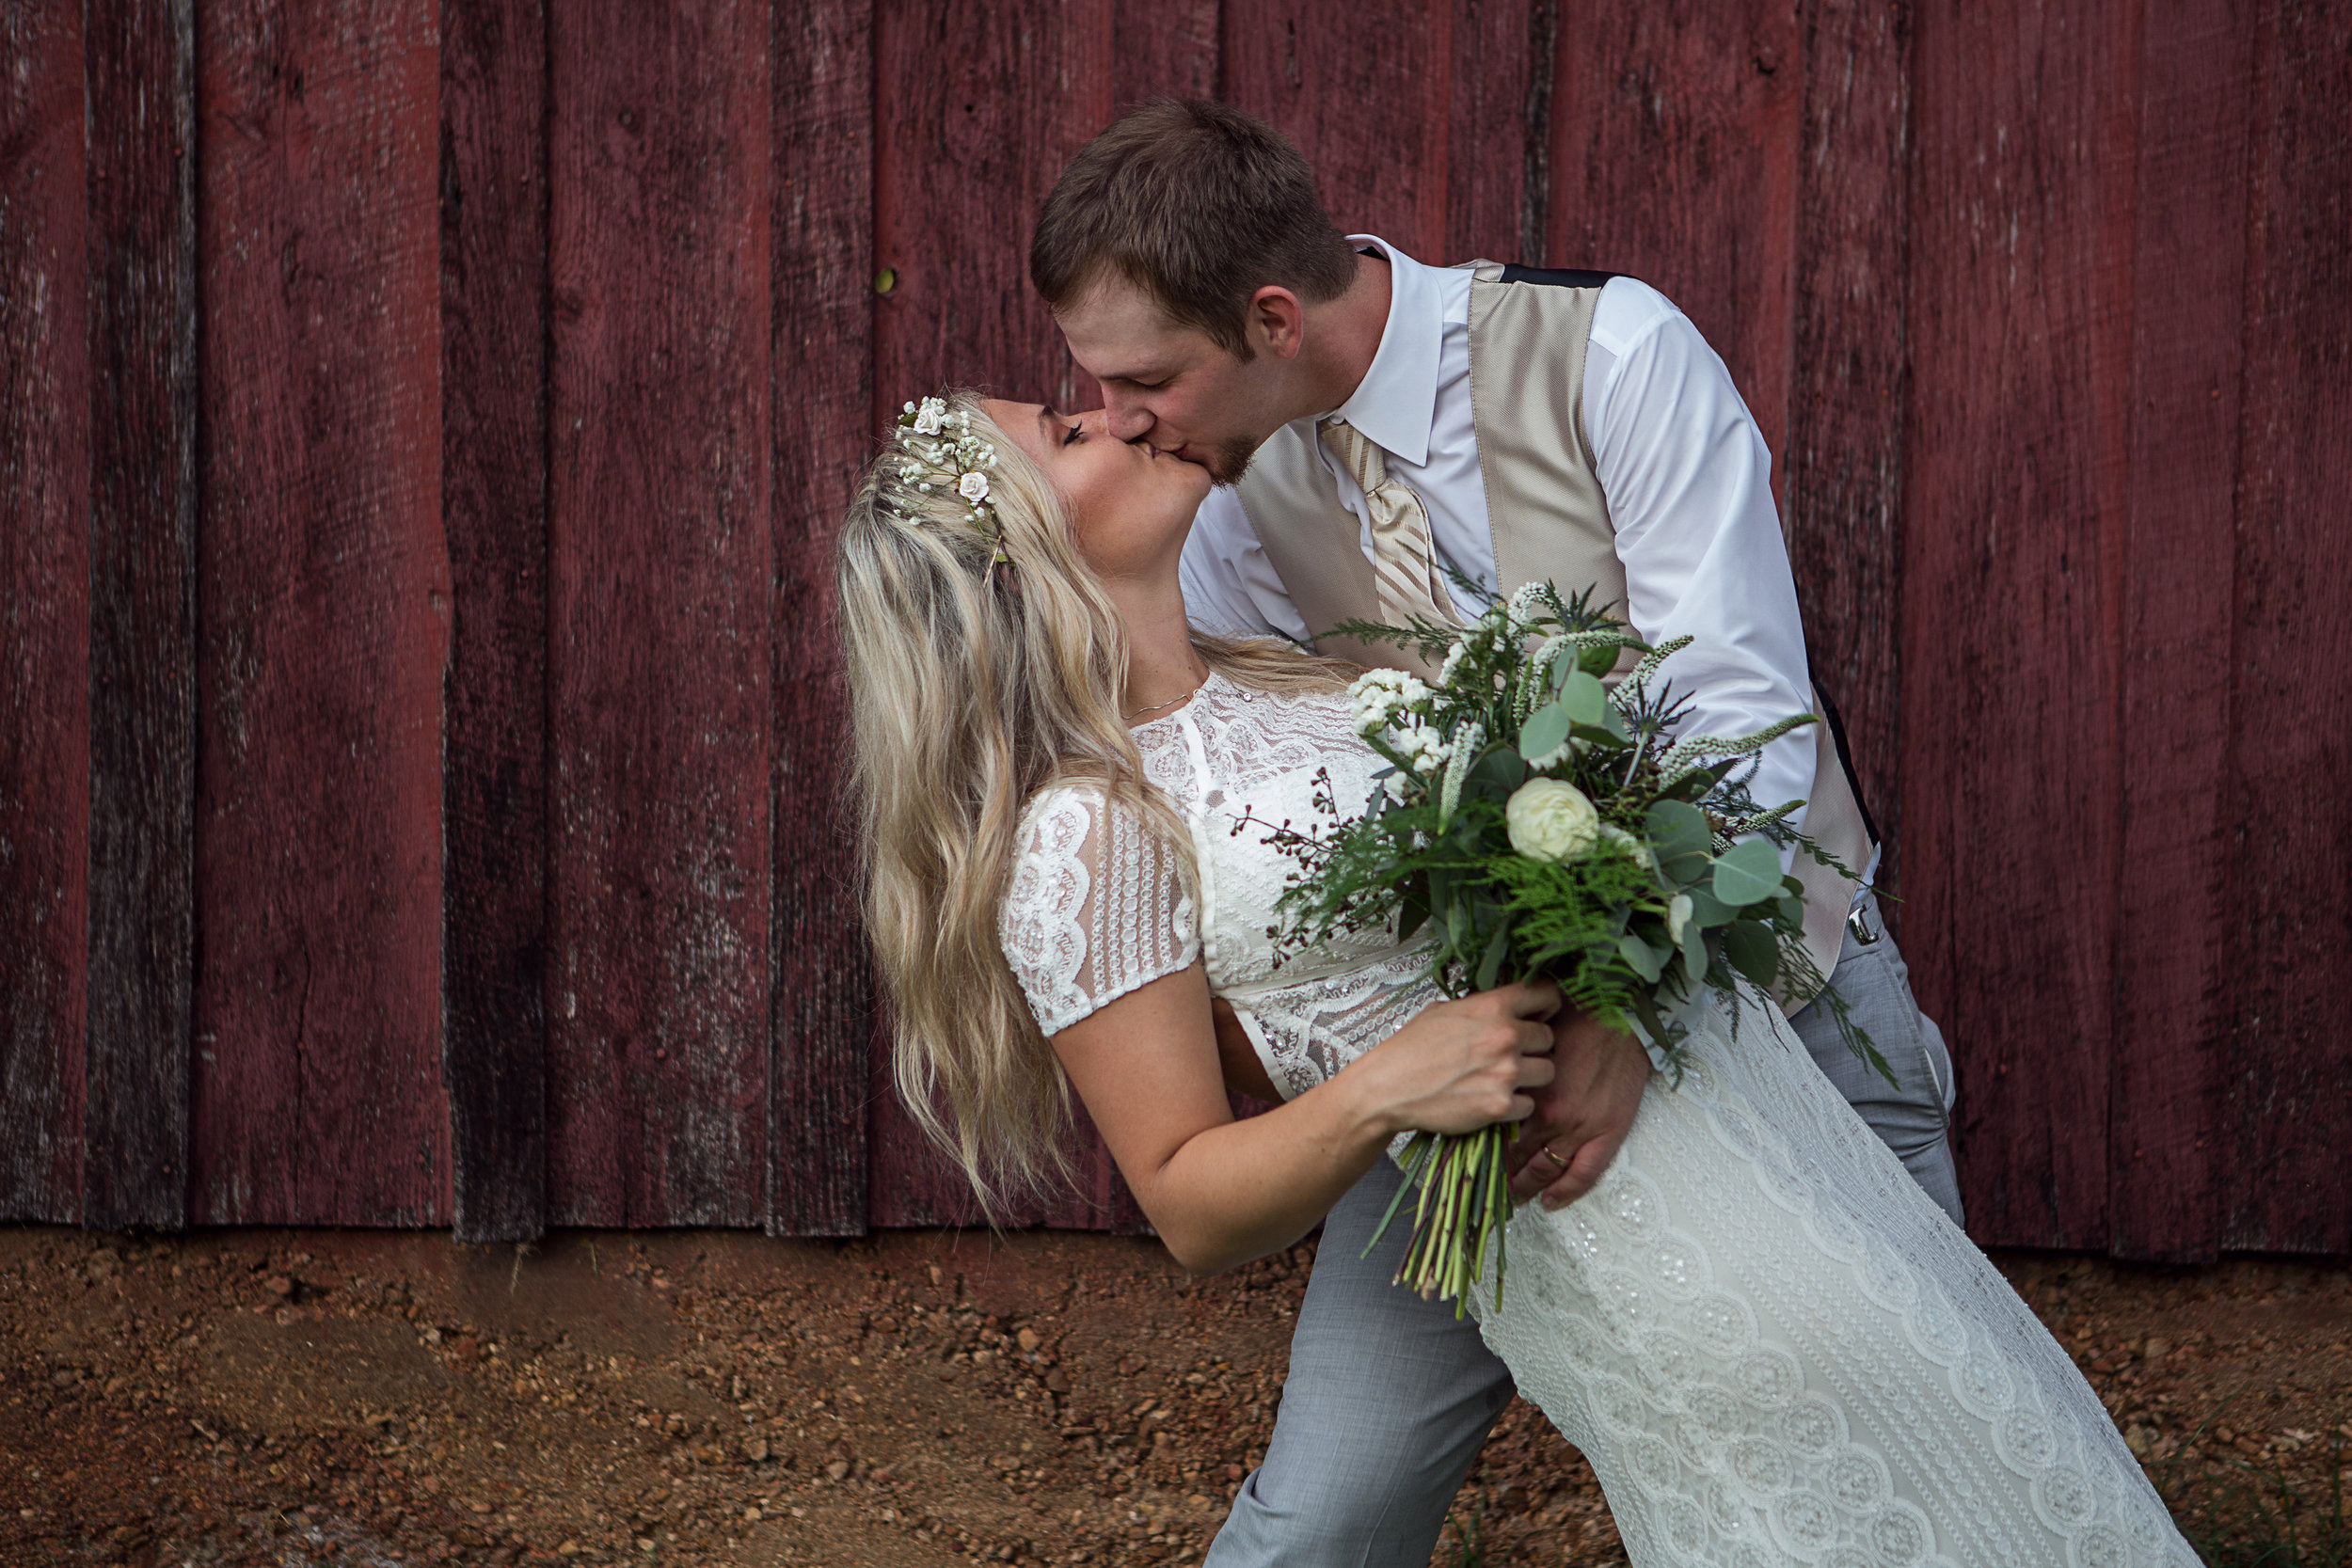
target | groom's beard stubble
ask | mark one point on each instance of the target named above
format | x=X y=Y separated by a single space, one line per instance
x=1230 y=460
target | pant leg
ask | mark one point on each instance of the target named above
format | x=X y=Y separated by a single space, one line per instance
x=1389 y=1400
x=1913 y=1113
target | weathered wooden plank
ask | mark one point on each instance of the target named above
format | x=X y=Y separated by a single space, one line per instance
x=977 y=110
x=1843 y=460
x=323 y=592
x=1164 y=50
x=44 y=613
x=1675 y=158
x=2282 y=1122
x=1353 y=85
x=1498 y=130
x=2014 y=487
x=662 y=556
x=2187 y=314
x=142 y=76
x=494 y=268
x=824 y=364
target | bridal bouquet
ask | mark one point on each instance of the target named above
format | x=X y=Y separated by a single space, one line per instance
x=1537 y=822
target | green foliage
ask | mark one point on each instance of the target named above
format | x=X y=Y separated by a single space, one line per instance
x=1680 y=888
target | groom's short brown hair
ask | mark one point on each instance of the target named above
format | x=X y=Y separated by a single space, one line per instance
x=1199 y=204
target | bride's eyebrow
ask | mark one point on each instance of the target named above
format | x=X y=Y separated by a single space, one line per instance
x=1050 y=421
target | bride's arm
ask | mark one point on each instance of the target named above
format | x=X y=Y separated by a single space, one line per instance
x=1221 y=1192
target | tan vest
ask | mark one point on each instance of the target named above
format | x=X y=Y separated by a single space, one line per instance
x=1528 y=333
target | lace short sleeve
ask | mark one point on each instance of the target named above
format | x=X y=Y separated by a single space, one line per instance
x=1098 y=906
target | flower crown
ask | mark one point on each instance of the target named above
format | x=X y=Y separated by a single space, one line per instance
x=939 y=450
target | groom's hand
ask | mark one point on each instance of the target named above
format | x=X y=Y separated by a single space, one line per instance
x=1581 y=1116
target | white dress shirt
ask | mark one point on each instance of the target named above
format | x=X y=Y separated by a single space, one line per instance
x=1685 y=470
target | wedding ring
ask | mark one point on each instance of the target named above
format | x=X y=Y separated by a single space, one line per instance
x=1545 y=1149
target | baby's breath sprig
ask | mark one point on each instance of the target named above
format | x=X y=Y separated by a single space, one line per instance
x=938 y=451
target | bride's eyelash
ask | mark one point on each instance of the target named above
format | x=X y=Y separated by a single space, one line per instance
x=1072 y=435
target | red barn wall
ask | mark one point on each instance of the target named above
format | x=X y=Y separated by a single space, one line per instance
x=422 y=431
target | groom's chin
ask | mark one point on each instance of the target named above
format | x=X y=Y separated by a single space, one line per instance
x=1227 y=462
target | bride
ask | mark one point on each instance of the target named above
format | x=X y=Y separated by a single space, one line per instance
x=1770 y=1345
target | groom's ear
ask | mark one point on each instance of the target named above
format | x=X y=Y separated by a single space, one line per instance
x=1275 y=322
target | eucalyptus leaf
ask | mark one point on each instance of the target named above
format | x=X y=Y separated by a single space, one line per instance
x=1502 y=768
x=1748 y=873
x=1790 y=910
x=1694 y=954
x=1643 y=956
x=1584 y=699
x=1544 y=729
x=1678 y=832
x=1750 y=946
x=1708 y=910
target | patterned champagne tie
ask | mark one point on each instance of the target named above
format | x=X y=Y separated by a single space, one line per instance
x=1404 y=555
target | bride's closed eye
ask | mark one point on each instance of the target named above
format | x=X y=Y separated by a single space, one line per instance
x=1075 y=432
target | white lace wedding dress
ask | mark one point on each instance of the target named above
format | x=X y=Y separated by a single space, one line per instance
x=1773 y=1347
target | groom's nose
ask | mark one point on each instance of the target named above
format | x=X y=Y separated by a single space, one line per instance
x=1125 y=419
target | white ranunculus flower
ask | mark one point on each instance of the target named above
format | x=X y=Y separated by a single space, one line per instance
x=974 y=486
x=931 y=417
x=1549 y=820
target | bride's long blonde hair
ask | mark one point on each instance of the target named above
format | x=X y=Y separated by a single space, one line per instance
x=974 y=682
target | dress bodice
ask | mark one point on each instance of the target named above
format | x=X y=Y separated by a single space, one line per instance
x=1096 y=907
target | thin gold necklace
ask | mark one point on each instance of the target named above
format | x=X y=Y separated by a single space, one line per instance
x=1170 y=703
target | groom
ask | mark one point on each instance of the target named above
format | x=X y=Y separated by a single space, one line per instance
x=1373 y=422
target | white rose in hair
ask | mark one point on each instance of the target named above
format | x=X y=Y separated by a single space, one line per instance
x=1549 y=820
x=975 y=487
x=931 y=417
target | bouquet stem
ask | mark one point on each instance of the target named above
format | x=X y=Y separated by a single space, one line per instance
x=1463 y=1212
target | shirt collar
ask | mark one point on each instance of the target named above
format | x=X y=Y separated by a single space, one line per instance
x=1396 y=403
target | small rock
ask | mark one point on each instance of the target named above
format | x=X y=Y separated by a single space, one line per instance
x=479 y=1507
x=569 y=1549
x=279 y=1285
x=1028 y=1338
x=2157 y=1345
x=756 y=1450
x=465 y=1348
x=838 y=1468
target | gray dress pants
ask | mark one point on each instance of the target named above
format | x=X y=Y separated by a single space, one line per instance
x=1390 y=1398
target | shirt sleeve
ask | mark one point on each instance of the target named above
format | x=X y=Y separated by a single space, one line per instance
x=1097 y=907
x=1689 y=483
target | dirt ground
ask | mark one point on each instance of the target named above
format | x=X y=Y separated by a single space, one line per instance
x=369 y=1397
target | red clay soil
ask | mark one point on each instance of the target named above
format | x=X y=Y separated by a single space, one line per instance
x=379 y=1398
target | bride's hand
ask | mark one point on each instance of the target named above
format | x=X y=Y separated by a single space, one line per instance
x=1459 y=1066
